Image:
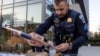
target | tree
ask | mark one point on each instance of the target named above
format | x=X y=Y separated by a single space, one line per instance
x=96 y=34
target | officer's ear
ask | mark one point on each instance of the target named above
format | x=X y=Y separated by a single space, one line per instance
x=68 y=4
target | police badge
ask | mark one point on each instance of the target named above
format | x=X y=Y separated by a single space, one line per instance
x=69 y=20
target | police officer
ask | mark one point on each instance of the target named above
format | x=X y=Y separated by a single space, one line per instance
x=70 y=28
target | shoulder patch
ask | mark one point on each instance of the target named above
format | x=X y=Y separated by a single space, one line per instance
x=85 y=27
x=82 y=18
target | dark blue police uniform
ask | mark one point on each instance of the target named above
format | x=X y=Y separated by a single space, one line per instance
x=72 y=28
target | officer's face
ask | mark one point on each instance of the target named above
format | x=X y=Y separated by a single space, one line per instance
x=61 y=9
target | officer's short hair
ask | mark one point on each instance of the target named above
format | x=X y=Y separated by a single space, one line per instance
x=58 y=1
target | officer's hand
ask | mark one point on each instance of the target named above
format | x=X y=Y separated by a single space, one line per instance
x=62 y=47
x=33 y=43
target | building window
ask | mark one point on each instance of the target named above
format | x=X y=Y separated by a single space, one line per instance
x=7 y=2
x=20 y=16
x=35 y=12
x=20 y=4
x=7 y=14
x=20 y=13
x=19 y=0
x=49 y=8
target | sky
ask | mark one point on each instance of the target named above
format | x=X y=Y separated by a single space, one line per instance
x=94 y=15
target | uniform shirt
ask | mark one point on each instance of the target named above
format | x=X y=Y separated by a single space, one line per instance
x=72 y=24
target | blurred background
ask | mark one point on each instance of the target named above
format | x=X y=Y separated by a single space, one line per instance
x=26 y=15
